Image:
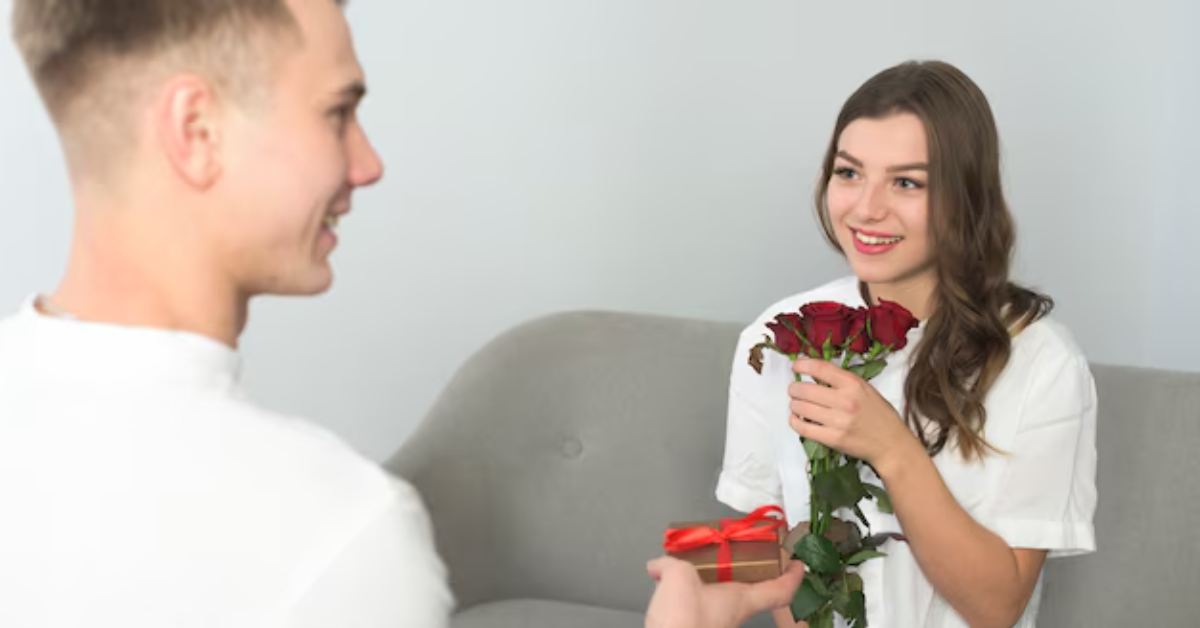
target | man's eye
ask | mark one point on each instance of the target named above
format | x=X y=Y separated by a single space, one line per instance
x=343 y=114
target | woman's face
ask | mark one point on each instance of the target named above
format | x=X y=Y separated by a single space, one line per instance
x=878 y=201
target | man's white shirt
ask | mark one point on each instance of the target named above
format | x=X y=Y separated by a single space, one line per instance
x=141 y=488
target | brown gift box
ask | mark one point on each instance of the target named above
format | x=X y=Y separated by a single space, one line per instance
x=753 y=561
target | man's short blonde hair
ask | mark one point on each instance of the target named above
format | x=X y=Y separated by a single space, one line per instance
x=87 y=56
x=71 y=45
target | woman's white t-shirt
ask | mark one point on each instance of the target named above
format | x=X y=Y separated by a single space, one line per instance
x=1042 y=494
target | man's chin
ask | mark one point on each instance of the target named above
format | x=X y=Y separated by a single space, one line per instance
x=312 y=284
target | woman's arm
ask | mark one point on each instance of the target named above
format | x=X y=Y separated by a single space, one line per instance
x=982 y=577
x=987 y=582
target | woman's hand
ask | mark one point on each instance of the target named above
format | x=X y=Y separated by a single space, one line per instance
x=849 y=415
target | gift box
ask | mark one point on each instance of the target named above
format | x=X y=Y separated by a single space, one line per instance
x=730 y=550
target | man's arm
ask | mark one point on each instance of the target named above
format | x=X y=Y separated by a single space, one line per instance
x=388 y=575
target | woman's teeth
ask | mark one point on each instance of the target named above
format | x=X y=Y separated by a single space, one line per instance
x=866 y=239
x=330 y=222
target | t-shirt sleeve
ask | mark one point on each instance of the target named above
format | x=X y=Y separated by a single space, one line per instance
x=388 y=575
x=749 y=475
x=1046 y=498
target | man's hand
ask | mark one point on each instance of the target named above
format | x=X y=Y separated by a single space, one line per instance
x=681 y=600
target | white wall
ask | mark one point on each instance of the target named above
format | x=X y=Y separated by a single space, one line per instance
x=658 y=155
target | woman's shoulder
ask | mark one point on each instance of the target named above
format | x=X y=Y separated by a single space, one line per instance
x=1047 y=340
x=1049 y=373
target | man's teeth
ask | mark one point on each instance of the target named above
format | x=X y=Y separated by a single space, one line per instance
x=866 y=239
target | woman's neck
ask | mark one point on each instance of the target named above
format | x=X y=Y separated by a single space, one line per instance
x=916 y=294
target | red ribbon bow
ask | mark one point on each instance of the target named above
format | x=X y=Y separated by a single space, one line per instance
x=744 y=529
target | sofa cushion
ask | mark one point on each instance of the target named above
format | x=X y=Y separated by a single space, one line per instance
x=544 y=614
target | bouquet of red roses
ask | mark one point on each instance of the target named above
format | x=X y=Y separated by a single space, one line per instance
x=860 y=339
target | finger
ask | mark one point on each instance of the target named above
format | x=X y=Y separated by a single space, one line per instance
x=813 y=431
x=774 y=593
x=816 y=393
x=815 y=413
x=824 y=371
x=656 y=567
x=669 y=566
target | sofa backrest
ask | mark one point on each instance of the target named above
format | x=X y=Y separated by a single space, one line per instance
x=558 y=454
x=1146 y=568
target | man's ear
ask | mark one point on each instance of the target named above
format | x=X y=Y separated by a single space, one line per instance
x=188 y=123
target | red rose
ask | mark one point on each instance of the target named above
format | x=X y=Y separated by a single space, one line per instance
x=860 y=343
x=826 y=320
x=787 y=338
x=890 y=324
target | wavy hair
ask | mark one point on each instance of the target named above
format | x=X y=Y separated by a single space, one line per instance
x=977 y=308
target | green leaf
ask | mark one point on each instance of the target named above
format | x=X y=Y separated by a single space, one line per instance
x=815 y=450
x=818 y=583
x=863 y=556
x=880 y=494
x=840 y=488
x=840 y=602
x=822 y=620
x=856 y=609
x=818 y=553
x=806 y=601
x=869 y=370
x=854 y=582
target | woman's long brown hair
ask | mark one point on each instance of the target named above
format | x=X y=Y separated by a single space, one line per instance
x=976 y=308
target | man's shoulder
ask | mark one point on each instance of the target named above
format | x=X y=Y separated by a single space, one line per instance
x=295 y=473
x=297 y=450
x=12 y=328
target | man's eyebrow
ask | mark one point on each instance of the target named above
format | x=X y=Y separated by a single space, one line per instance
x=354 y=92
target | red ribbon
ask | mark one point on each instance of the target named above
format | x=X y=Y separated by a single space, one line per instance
x=731 y=530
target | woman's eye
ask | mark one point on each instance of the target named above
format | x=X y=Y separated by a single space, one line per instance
x=908 y=184
x=845 y=173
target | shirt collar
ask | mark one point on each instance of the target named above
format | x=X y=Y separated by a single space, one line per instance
x=123 y=355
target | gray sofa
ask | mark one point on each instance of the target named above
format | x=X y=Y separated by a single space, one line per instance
x=557 y=455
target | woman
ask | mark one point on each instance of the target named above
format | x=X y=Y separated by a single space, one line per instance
x=982 y=428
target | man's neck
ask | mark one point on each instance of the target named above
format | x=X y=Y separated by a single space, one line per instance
x=131 y=279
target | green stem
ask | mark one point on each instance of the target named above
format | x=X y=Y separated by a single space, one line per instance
x=813 y=465
x=812 y=502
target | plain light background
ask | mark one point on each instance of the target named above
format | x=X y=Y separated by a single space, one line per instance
x=659 y=156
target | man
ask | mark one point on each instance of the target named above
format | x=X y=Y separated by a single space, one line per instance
x=212 y=147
